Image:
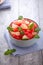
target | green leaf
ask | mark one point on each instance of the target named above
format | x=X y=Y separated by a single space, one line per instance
x=10 y=28
x=20 y=17
x=8 y=52
x=31 y=25
x=37 y=29
x=36 y=36
x=13 y=50
x=25 y=39
x=19 y=28
x=21 y=32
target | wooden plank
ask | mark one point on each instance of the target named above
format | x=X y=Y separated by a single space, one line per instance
x=9 y=60
x=25 y=59
x=42 y=56
x=41 y=8
x=14 y=9
x=29 y=9
x=6 y=17
x=31 y=59
x=37 y=58
x=40 y=14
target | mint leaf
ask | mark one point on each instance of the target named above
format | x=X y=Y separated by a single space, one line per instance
x=21 y=32
x=25 y=39
x=37 y=29
x=10 y=28
x=13 y=50
x=20 y=17
x=31 y=25
x=8 y=52
x=36 y=36
x=19 y=28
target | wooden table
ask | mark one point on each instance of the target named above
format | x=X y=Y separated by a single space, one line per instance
x=28 y=8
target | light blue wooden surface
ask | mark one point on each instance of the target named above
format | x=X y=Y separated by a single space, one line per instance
x=34 y=11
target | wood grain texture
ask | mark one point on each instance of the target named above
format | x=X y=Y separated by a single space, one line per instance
x=40 y=14
x=31 y=59
x=37 y=58
x=27 y=8
x=9 y=60
x=42 y=56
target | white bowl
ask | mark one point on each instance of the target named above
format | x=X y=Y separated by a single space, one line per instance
x=2 y=1
x=22 y=43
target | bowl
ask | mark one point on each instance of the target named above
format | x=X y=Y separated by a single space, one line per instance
x=1 y=1
x=23 y=43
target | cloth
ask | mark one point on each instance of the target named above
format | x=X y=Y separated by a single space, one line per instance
x=21 y=51
x=5 y=5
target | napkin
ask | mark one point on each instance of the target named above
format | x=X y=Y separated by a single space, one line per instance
x=5 y=5
x=22 y=51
